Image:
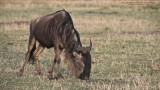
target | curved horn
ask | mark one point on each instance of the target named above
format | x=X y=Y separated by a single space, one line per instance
x=90 y=46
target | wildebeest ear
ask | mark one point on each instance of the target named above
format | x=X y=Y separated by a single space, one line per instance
x=77 y=55
x=79 y=48
x=90 y=46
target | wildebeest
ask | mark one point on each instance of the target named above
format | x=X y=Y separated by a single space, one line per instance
x=57 y=30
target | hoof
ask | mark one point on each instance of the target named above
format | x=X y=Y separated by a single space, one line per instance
x=38 y=74
x=50 y=75
x=31 y=60
x=52 y=78
x=19 y=74
x=59 y=76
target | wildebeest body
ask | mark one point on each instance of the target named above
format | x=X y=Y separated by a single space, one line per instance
x=57 y=30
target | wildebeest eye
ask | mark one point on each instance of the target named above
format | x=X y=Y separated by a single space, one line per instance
x=84 y=52
x=79 y=52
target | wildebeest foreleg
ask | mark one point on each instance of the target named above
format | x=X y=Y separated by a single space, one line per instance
x=57 y=60
x=36 y=54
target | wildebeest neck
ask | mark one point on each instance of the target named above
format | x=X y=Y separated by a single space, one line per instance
x=73 y=41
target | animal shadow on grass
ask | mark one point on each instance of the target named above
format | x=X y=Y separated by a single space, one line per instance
x=106 y=81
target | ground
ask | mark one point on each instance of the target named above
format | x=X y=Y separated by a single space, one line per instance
x=125 y=36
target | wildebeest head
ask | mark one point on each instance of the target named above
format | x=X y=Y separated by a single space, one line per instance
x=82 y=54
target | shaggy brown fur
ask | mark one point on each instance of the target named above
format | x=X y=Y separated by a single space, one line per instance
x=57 y=30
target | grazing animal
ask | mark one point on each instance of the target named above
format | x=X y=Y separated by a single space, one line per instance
x=57 y=30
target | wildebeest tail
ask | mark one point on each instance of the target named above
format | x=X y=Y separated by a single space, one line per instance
x=32 y=42
x=31 y=58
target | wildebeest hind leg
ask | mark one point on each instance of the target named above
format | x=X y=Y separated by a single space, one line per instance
x=36 y=54
x=31 y=44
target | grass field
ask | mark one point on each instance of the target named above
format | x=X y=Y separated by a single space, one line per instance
x=126 y=45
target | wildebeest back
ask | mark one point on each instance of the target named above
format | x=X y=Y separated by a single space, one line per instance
x=49 y=29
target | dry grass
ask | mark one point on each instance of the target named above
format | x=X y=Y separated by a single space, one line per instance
x=125 y=39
